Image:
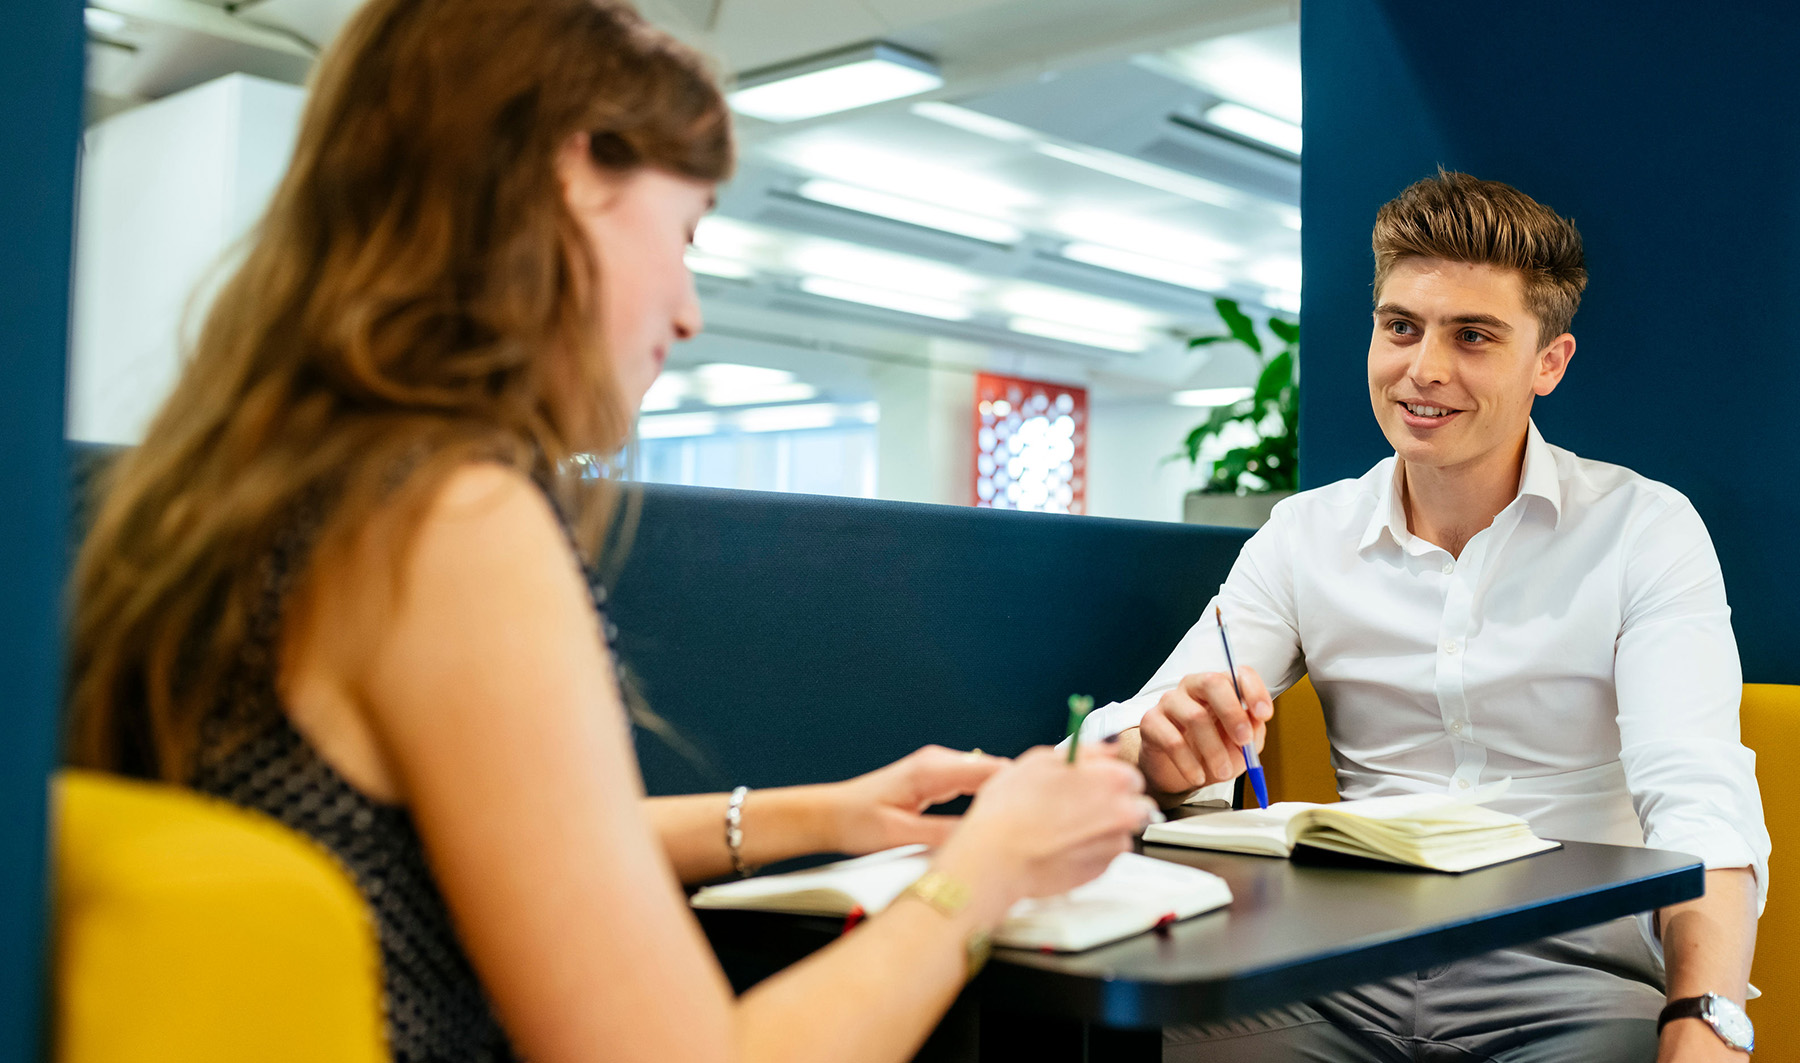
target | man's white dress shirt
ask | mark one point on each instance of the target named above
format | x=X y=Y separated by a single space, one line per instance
x=1581 y=645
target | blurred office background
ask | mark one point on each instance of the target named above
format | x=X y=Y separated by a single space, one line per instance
x=1048 y=192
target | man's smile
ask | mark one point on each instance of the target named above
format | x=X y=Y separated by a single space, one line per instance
x=1426 y=415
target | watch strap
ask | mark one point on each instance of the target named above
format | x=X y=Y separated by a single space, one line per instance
x=1685 y=1008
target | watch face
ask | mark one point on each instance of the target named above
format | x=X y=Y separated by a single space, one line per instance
x=1728 y=1020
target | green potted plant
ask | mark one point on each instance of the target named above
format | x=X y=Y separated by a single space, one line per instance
x=1264 y=466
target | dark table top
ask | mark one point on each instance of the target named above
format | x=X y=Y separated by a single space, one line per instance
x=1295 y=929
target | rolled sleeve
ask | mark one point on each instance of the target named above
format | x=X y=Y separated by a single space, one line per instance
x=1679 y=683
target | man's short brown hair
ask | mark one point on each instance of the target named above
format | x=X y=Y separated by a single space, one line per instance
x=1459 y=218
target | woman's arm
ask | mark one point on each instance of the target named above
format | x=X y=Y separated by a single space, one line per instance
x=490 y=694
x=879 y=810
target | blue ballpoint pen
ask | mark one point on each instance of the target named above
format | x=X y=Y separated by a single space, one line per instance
x=1252 y=766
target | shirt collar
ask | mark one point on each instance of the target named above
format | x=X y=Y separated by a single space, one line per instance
x=1538 y=479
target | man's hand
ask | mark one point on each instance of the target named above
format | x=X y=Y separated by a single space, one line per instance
x=1191 y=737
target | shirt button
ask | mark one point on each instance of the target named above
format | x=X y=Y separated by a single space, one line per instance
x=1449 y=646
x=1462 y=784
x=1457 y=727
x=1449 y=567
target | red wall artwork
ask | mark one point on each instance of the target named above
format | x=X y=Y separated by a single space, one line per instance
x=1030 y=445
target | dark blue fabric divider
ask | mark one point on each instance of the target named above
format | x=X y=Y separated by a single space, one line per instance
x=801 y=638
x=1662 y=130
x=40 y=126
x=797 y=638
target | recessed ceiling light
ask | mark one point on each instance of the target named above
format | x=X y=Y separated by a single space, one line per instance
x=674 y=425
x=733 y=384
x=1211 y=396
x=788 y=418
x=1087 y=337
x=1145 y=236
x=886 y=298
x=911 y=211
x=1156 y=269
x=1074 y=308
x=666 y=393
x=837 y=81
x=103 y=21
x=715 y=266
x=1256 y=125
x=883 y=269
x=976 y=122
x=850 y=157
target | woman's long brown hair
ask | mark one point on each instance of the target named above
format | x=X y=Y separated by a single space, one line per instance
x=416 y=297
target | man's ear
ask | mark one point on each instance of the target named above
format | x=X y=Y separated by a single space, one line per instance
x=1553 y=362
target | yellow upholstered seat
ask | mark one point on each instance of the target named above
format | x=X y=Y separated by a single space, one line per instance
x=1297 y=759
x=190 y=931
x=1770 y=719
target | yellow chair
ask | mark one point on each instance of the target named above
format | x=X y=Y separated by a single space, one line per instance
x=1297 y=760
x=1296 y=756
x=190 y=931
x=1770 y=718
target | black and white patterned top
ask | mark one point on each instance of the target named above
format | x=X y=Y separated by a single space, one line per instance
x=436 y=1008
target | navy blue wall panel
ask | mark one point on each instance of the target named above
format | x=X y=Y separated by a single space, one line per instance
x=40 y=123
x=1667 y=132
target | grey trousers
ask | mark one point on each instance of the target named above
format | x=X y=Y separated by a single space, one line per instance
x=1591 y=996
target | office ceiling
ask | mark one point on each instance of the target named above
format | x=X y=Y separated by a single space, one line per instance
x=1079 y=130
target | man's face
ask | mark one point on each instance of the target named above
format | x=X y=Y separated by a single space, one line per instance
x=1454 y=362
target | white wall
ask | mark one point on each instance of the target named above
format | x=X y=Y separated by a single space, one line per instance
x=167 y=190
x=1126 y=444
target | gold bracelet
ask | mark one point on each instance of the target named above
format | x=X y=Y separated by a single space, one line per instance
x=950 y=895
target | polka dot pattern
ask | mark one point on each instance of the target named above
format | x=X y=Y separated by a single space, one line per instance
x=437 y=1011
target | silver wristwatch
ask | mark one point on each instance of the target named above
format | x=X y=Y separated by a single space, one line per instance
x=1721 y=1013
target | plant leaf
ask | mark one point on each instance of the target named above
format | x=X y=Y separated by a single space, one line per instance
x=1278 y=374
x=1203 y=341
x=1287 y=332
x=1242 y=329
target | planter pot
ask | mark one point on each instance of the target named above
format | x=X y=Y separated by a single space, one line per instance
x=1231 y=511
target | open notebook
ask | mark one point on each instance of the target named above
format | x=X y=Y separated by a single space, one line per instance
x=1131 y=896
x=1426 y=830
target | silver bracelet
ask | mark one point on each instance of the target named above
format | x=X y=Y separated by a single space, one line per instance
x=734 y=830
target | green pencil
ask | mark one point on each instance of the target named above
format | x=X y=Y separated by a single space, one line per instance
x=1079 y=706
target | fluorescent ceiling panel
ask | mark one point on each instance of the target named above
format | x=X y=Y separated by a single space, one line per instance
x=665 y=393
x=911 y=211
x=1256 y=125
x=837 y=82
x=1087 y=337
x=788 y=418
x=715 y=266
x=671 y=425
x=731 y=384
x=1156 y=269
x=1144 y=236
x=883 y=269
x=848 y=157
x=1082 y=311
x=1211 y=396
x=886 y=298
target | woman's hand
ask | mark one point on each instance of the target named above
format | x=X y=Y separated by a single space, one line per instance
x=886 y=807
x=1041 y=825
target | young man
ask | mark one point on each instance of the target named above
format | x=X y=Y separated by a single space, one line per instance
x=1484 y=605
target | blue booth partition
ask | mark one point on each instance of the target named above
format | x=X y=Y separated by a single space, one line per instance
x=800 y=638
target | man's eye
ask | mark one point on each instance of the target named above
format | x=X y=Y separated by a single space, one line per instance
x=1400 y=328
x=1469 y=335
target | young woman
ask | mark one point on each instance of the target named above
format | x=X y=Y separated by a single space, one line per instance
x=339 y=581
